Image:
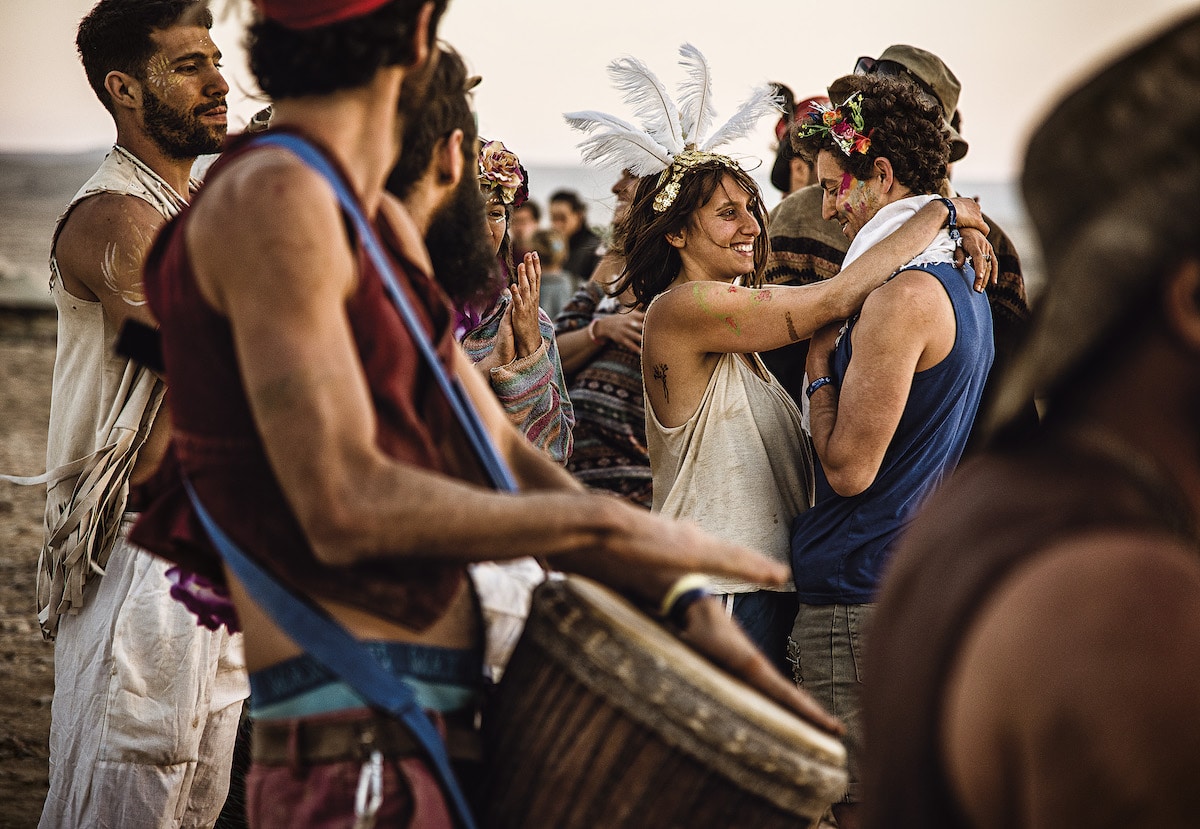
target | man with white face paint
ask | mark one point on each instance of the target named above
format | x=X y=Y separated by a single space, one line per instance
x=146 y=702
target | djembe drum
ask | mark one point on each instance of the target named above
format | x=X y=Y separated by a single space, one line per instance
x=604 y=719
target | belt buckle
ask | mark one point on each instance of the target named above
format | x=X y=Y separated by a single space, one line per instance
x=368 y=797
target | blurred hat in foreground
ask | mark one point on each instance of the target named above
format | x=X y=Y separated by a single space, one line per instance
x=1112 y=183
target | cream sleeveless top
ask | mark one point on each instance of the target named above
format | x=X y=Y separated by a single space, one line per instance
x=741 y=467
x=101 y=408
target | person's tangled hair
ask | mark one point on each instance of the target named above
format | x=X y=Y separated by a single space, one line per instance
x=903 y=125
x=115 y=36
x=651 y=263
x=291 y=63
x=446 y=108
x=459 y=246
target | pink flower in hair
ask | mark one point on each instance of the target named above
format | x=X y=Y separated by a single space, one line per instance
x=500 y=169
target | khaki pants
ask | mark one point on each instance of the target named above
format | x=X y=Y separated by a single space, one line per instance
x=146 y=705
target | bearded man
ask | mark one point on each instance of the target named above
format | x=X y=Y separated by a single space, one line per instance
x=146 y=703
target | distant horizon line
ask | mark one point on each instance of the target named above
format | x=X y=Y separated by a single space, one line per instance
x=565 y=164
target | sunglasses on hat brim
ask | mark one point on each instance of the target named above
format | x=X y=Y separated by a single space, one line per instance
x=892 y=69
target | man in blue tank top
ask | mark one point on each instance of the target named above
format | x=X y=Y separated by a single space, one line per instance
x=893 y=392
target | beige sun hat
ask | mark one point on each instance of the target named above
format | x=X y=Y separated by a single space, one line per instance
x=928 y=72
x=1112 y=183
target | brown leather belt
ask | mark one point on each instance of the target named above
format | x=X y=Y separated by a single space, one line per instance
x=352 y=735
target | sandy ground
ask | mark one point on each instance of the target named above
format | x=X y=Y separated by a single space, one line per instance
x=26 y=661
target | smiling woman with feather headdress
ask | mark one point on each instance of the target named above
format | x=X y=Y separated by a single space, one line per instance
x=727 y=447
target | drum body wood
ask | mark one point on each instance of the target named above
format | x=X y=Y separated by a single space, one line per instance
x=606 y=720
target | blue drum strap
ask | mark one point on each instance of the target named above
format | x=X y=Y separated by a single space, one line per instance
x=307 y=624
x=464 y=410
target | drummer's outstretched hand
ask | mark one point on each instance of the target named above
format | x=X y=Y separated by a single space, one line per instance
x=722 y=640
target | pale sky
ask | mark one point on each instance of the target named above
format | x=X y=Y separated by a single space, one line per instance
x=540 y=58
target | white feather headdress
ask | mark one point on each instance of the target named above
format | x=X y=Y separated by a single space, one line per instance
x=671 y=137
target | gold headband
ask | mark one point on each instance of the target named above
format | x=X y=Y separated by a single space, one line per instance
x=685 y=162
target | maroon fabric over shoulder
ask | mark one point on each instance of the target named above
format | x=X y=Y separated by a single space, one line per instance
x=309 y=14
x=215 y=440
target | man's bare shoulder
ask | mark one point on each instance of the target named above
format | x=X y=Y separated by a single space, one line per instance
x=107 y=217
x=103 y=243
x=912 y=294
x=268 y=216
x=261 y=184
x=1105 y=588
x=1079 y=669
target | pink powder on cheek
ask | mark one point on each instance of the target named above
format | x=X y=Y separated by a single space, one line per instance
x=856 y=196
x=845 y=185
x=846 y=205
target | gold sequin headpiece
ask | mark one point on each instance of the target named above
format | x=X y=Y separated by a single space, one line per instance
x=668 y=144
x=685 y=162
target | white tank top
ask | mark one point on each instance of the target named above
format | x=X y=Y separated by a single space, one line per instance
x=741 y=466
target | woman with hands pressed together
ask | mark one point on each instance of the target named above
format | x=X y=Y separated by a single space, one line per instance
x=513 y=344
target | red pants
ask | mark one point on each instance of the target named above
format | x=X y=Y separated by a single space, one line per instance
x=292 y=792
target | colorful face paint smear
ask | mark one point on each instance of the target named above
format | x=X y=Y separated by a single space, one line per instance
x=698 y=295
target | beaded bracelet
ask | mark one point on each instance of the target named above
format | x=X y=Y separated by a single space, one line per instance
x=952 y=221
x=816 y=384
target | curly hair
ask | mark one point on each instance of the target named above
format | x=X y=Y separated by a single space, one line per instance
x=651 y=262
x=905 y=127
x=291 y=63
x=115 y=36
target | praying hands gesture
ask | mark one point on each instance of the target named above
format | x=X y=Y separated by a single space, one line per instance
x=526 y=291
x=519 y=334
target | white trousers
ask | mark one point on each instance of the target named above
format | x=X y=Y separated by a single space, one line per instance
x=146 y=706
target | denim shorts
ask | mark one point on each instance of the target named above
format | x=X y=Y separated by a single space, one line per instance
x=826 y=652
x=766 y=616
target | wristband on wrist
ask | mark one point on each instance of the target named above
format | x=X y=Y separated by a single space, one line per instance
x=685 y=592
x=952 y=221
x=679 y=610
x=591 y=329
x=816 y=384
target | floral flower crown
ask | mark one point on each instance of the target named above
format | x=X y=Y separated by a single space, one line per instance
x=844 y=124
x=501 y=170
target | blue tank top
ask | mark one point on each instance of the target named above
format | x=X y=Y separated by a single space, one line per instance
x=840 y=546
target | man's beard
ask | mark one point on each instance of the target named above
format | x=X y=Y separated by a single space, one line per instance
x=460 y=246
x=179 y=134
